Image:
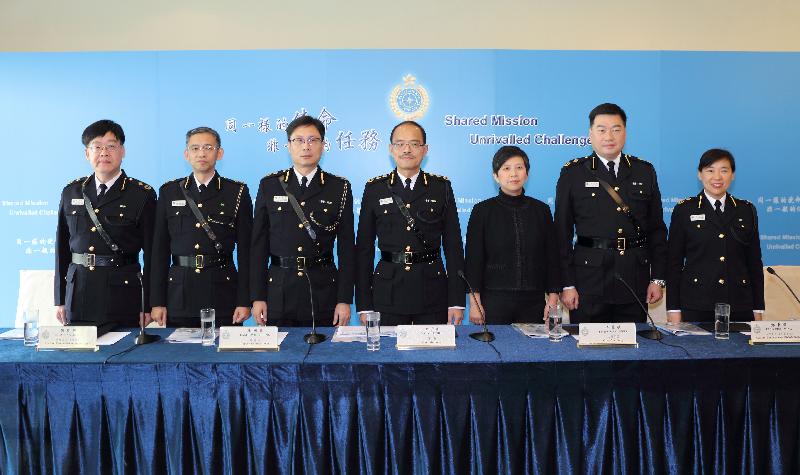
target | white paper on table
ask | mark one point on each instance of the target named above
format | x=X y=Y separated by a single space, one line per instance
x=193 y=335
x=13 y=334
x=349 y=334
x=111 y=337
x=683 y=329
x=535 y=330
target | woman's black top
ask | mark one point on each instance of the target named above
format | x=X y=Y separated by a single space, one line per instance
x=511 y=246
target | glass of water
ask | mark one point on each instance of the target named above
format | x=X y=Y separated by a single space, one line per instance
x=30 y=319
x=554 y=329
x=207 y=326
x=722 y=321
x=373 y=323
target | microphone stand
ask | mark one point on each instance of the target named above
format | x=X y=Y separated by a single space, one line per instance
x=485 y=335
x=652 y=333
x=144 y=338
x=312 y=338
x=772 y=271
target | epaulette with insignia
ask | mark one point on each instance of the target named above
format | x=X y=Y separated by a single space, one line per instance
x=637 y=159
x=331 y=175
x=441 y=177
x=79 y=179
x=576 y=161
x=685 y=200
x=232 y=180
x=277 y=173
x=378 y=178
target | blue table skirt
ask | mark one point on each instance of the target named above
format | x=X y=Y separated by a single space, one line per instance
x=335 y=408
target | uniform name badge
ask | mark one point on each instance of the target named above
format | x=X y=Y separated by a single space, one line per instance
x=68 y=338
x=417 y=337
x=592 y=184
x=280 y=199
x=384 y=201
x=607 y=334
x=248 y=339
x=179 y=203
x=77 y=201
x=763 y=332
x=697 y=217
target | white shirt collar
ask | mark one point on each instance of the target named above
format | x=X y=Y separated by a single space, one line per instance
x=616 y=161
x=108 y=184
x=198 y=182
x=403 y=179
x=310 y=176
x=712 y=200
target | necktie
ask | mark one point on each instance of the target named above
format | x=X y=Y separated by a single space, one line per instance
x=718 y=206
x=202 y=188
x=611 y=169
x=102 y=193
x=303 y=185
x=407 y=189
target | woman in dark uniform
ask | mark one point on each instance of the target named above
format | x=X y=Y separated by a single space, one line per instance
x=714 y=252
x=511 y=251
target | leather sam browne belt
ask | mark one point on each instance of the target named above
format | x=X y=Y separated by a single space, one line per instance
x=301 y=262
x=103 y=260
x=411 y=257
x=619 y=244
x=200 y=261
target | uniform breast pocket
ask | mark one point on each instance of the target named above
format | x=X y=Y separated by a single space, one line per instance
x=178 y=219
x=277 y=214
x=430 y=212
x=120 y=219
x=386 y=216
x=222 y=219
x=586 y=198
x=325 y=215
x=77 y=219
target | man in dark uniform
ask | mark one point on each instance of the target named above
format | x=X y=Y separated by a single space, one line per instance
x=104 y=220
x=299 y=213
x=714 y=251
x=200 y=248
x=612 y=202
x=413 y=215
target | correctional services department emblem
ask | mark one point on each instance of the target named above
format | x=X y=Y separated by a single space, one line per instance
x=409 y=101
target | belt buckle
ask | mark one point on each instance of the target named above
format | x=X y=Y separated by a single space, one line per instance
x=408 y=257
x=90 y=260
x=199 y=261
x=621 y=244
x=301 y=263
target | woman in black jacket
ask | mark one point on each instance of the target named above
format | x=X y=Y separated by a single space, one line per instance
x=511 y=252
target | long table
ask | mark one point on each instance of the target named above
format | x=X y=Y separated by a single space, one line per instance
x=517 y=405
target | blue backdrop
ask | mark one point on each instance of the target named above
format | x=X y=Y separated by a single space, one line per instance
x=679 y=104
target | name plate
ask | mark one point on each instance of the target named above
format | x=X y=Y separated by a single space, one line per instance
x=248 y=339
x=68 y=338
x=417 y=337
x=774 y=332
x=607 y=334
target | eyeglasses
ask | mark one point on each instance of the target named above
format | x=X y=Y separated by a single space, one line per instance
x=205 y=148
x=109 y=148
x=402 y=145
x=305 y=140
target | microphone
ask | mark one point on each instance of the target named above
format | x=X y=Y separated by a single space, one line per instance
x=143 y=337
x=652 y=333
x=485 y=335
x=772 y=271
x=312 y=338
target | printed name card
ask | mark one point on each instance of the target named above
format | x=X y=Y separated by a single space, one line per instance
x=248 y=339
x=607 y=334
x=68 y=338
x=774 y=332
x=416 y=337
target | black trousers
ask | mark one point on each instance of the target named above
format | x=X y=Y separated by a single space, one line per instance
x=503 y=307
x=599 y=312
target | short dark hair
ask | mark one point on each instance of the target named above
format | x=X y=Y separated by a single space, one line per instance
x=409 y=122
x=608 y=108
x=507 y=152
x=101 y=128
x=304 y=120
x=203 y=130
x=713 y=155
